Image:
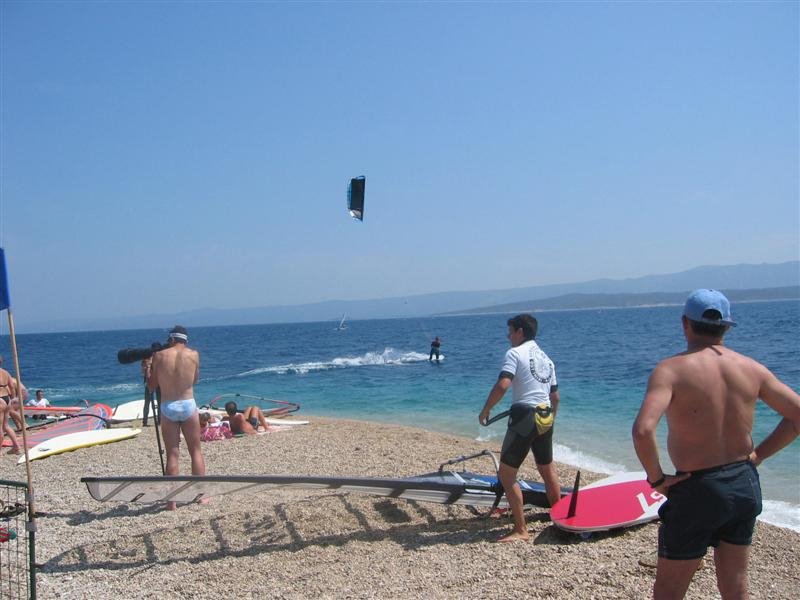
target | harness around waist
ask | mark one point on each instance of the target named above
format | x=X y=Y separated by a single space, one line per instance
x=524 y=418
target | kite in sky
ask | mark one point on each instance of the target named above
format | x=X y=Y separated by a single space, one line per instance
x=355 y=197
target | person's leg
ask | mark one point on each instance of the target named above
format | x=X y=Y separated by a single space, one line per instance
x=191 y=433
x=259 y=414
x=731 y=563
x=508 y=478
x=673 y=577
x=552 y=485
x=170 y=431
x=9 y=431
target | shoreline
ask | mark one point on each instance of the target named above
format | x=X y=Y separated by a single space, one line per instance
x=294 y=543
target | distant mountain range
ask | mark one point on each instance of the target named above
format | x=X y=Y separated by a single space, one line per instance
x=651 y=289
x=582 y=301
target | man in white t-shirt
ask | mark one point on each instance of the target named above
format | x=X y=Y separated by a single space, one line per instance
x=530 y=428
x=40 y=402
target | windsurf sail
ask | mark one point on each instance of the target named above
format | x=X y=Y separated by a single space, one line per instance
x=447 y=487
x=341 y=323
x=355 y=197
x=94 y=417
x=443 y=487
x=268 y=406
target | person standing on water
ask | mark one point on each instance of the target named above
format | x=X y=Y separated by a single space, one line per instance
x=434 y=349
x=530 y=428
x=708 y=394
x=175 y=370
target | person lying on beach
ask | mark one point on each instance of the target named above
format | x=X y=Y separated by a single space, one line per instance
x=212 y=429
x=250 y=421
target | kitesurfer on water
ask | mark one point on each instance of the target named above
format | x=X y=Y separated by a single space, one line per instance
x=530 y=427
x=708 y=393
x=175 y=370
x=434 y=349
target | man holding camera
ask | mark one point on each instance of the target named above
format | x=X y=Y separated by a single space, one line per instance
x=175 y=370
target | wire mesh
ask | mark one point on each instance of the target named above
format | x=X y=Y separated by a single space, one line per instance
x=16 y=579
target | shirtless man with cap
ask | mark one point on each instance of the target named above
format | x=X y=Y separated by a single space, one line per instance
x=708 y=394
x=175 y=370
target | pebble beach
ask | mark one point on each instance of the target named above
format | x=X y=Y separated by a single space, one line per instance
x=327 y=544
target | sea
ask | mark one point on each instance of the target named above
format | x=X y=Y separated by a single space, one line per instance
x=378 y=370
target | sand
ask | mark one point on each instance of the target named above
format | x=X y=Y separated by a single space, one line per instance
x=327 y=544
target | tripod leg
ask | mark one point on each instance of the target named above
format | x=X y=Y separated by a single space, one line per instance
x=157 y=420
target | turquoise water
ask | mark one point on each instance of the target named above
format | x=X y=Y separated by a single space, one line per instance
x=378 y=370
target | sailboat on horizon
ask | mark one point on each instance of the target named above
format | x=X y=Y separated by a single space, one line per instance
x=342 y=326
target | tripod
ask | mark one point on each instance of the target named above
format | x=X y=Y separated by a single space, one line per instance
x=154 y=400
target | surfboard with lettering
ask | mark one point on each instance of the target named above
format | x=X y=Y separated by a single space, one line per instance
x=622 y=500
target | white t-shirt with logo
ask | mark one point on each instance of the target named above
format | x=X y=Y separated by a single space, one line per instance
x=534 y=374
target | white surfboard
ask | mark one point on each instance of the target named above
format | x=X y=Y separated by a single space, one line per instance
x=129 y=411
x=272 y=421
x=81 y=439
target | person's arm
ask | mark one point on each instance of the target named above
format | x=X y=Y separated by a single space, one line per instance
x=495 y=395
x=786 y=402
x=655 y=404
x=152 y=377
x=554 y=399
x=197 y=368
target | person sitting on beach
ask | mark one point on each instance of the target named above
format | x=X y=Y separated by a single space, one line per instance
x=211 y=429
x=174 y=371
x=38 y=402
x=709 y=394
x=250 y=421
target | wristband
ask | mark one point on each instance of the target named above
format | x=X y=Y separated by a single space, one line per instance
x=657 y=482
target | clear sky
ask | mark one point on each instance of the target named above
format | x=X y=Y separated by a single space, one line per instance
x=165 y=156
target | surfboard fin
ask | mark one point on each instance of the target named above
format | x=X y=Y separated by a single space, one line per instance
x=573 y=503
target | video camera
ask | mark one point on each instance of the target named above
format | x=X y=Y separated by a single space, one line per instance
x=130 y=355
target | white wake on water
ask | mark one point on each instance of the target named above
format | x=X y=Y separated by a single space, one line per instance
x=389 y=357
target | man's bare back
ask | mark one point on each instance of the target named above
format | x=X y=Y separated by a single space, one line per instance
x=710 y=414
x=175 y=370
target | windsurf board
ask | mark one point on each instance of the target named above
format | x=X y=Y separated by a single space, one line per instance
x=622 y=500
x=129 y=411
x=80 y=439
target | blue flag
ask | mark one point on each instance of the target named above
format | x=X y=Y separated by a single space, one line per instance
x=4 y=301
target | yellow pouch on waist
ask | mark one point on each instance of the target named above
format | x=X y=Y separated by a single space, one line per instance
x=543 y=417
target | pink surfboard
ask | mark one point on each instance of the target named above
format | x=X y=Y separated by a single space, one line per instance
x=622 y=500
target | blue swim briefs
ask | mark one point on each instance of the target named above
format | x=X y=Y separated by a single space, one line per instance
x=179 y=411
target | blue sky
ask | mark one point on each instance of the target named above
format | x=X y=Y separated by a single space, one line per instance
x=160 y=157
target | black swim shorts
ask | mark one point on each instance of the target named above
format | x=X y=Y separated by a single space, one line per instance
x=712 y=506
x=523 y=436
x=254 y=422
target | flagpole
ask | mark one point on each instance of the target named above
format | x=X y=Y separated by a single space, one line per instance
x=30 y=526
x=21 y=410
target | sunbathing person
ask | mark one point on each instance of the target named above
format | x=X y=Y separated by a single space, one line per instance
x=211 y=429
x=250 y=421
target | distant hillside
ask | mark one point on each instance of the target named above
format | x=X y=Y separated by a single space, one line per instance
x=579 y=301
x=730 y=277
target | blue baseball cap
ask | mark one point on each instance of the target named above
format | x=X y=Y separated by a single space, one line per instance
x=699 y=301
